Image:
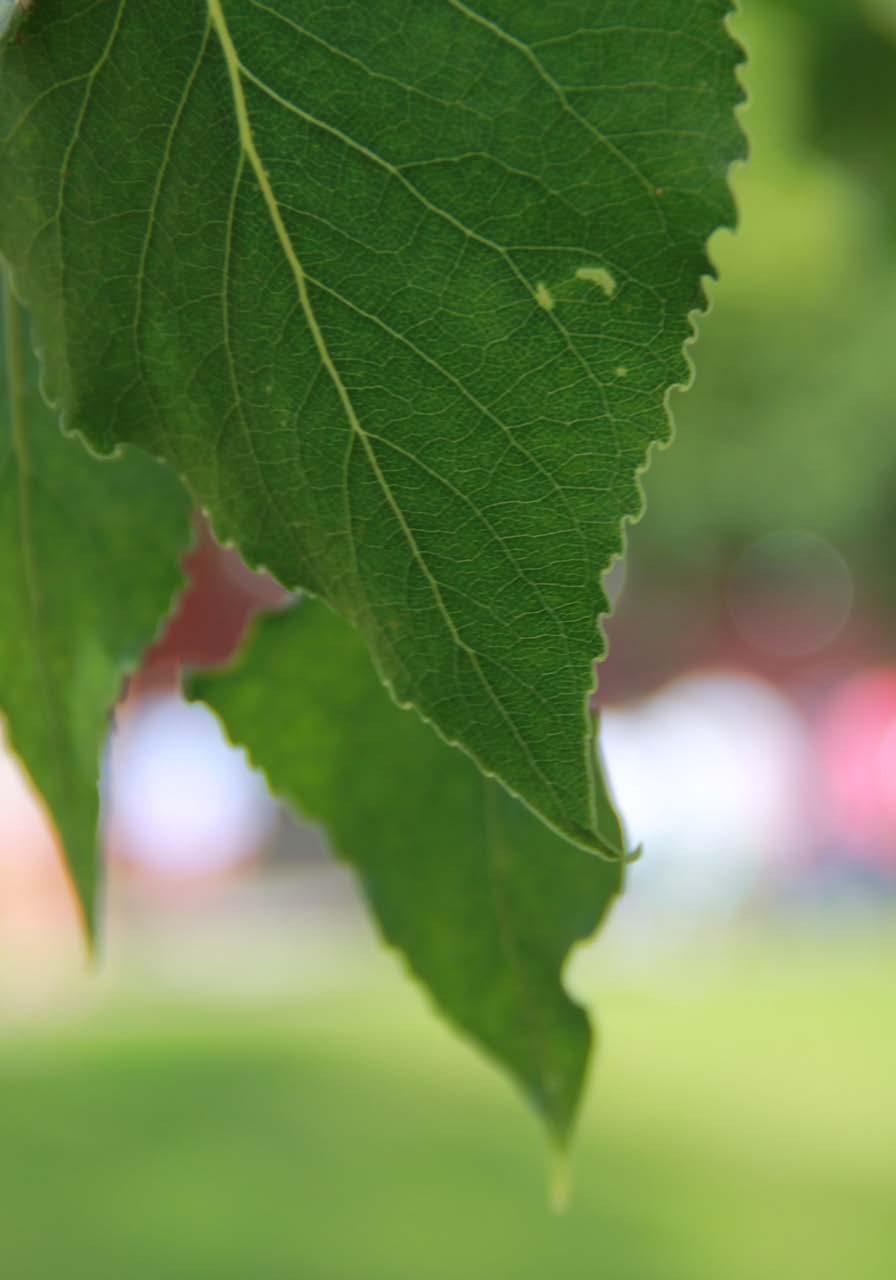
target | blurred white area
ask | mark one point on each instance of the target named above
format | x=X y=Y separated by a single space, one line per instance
x=741 y=798
x=182 y=800
x=710 y=776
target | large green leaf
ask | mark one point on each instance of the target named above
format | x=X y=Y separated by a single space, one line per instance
x=483 y=901
x=89 y=553
x=400 y=287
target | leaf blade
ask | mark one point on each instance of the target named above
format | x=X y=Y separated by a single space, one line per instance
x=483 y=902
x=476 y=267
x=75 y=614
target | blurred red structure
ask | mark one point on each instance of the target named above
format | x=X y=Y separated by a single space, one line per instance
x=211 y=617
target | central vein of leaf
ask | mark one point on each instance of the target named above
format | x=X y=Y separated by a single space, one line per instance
x=247 y=142
x=249 y=147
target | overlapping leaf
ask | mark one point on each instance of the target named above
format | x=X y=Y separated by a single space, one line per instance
x=400 y=288
x=89 y=553
x=483 y=901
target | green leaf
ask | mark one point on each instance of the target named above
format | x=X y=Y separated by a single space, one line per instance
x=400 y=289
x=89 y=554
x=480 y=897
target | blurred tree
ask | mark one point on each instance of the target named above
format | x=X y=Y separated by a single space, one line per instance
x=790 y=422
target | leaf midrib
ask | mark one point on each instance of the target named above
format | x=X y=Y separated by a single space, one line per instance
x=503 y=252
x=495 y=864
x=250 y=150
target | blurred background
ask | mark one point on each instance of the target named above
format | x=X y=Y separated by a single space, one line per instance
x=250 y=1086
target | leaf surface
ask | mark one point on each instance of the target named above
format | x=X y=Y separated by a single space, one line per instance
x=479 y=896
x=400 y=289
x=89 y=556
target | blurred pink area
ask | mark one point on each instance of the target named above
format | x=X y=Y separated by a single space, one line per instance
x=857 y=744
x=38 y=916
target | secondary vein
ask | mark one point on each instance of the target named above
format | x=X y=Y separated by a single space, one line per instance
x=247 y=141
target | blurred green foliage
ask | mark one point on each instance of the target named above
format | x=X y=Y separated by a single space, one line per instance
x=790 y=423
x=742 y=1127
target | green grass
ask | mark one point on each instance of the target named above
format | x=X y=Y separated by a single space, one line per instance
x=741 y=1126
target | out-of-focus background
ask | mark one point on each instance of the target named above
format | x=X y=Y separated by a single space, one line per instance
x=250 y=1086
